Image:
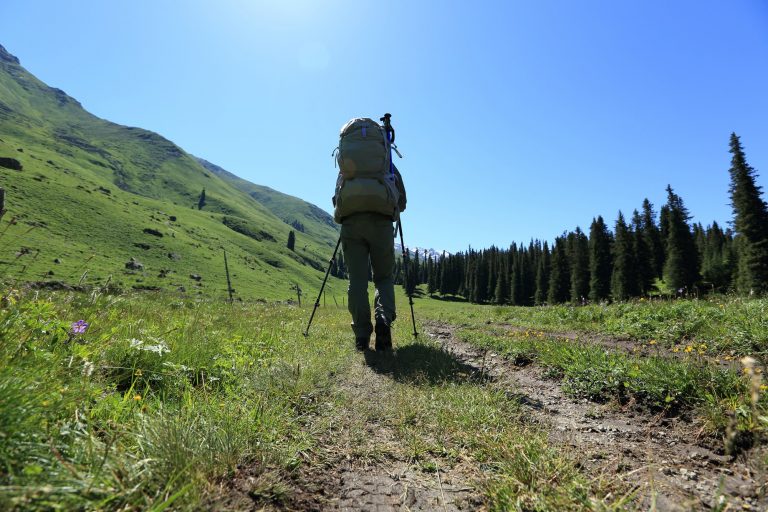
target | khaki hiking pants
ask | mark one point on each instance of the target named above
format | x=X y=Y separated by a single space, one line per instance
x=367 y=236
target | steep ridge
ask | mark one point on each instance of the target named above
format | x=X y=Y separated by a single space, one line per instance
x=95 y=201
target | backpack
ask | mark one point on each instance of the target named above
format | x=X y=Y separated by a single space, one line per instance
x=366 y=180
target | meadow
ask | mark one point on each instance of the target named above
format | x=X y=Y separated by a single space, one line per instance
x=152 y=401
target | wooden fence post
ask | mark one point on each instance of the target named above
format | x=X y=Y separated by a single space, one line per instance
x=229 y=283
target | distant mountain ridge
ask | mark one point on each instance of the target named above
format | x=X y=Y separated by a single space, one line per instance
x=93 y=196
x=431 y=253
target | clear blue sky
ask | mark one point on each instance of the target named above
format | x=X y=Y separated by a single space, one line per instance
x=517 y=120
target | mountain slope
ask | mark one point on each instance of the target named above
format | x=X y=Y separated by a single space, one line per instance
x=93 y=194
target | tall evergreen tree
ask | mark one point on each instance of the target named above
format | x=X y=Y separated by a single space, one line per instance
x=201 y=200
x=542 y=277
x=501 y=293
x=600 y=261
x=717 y=258
x=291 y=240
x=653 y=239
x=642 y=256
x=750 y=221
x=578 y=249
x=559 y=276
x=623 y=278
x=681 y=267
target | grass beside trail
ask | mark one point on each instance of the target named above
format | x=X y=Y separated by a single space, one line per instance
x=729 y=326
x=155 y=400
x=731 y=399
x=161 y=398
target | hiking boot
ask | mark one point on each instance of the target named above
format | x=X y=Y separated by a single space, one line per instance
x=383 y=337
x=362 y=342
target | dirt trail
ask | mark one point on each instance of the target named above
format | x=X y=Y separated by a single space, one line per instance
x=360 y=462
x=365 y=467
x=658 y=456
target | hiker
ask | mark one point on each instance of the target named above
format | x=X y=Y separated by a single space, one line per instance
x=369 y=197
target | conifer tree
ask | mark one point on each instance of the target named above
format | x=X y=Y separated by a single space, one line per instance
x=559 y=276
x=750 y=222
x=642 y=256
x=542 y=276
x=600 y=261
x=201 y=200
x=681 y=267
x=653 y=239
x=291 y=240
x=527 y=274
x=623 y=278
x=717 y=258
x=578 y=250
x=501 y=293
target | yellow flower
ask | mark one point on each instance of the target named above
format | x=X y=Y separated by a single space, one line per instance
x=676 y=349
x=763 y=387
x=652 y=342
x=703 y=346
x=688 y=349
x=137 y=398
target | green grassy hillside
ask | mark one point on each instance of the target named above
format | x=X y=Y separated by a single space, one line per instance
x=92 y=195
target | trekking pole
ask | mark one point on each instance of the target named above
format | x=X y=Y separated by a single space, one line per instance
x=317 y=302
x=387 y=121
x=405 y=277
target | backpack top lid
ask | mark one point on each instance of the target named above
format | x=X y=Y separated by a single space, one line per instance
x=363 y=149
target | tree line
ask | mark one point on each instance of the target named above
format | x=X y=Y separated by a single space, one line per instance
x=646 y=253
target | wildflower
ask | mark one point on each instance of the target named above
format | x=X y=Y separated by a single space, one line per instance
x=652 y=342
x=763 y=387
x=676 y=349
x=138 y=372
x=79 y=327
x=137 y=398
x=703 y=346
x=88 y=368
x=688 y=349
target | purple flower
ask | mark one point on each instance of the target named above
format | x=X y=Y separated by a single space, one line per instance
x=79 y=327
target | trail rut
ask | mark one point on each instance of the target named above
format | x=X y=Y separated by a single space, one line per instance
x=658 y=456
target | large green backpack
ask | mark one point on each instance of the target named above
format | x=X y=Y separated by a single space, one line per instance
x=366 y=181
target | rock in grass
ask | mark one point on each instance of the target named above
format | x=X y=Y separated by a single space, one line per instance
x=153 y=232
x=195 y=277
x=10 y=163
x=134 y=264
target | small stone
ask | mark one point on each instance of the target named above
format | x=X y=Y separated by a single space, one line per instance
x=134 y=264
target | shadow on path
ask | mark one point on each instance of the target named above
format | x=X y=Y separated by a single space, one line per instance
x=421 y=363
